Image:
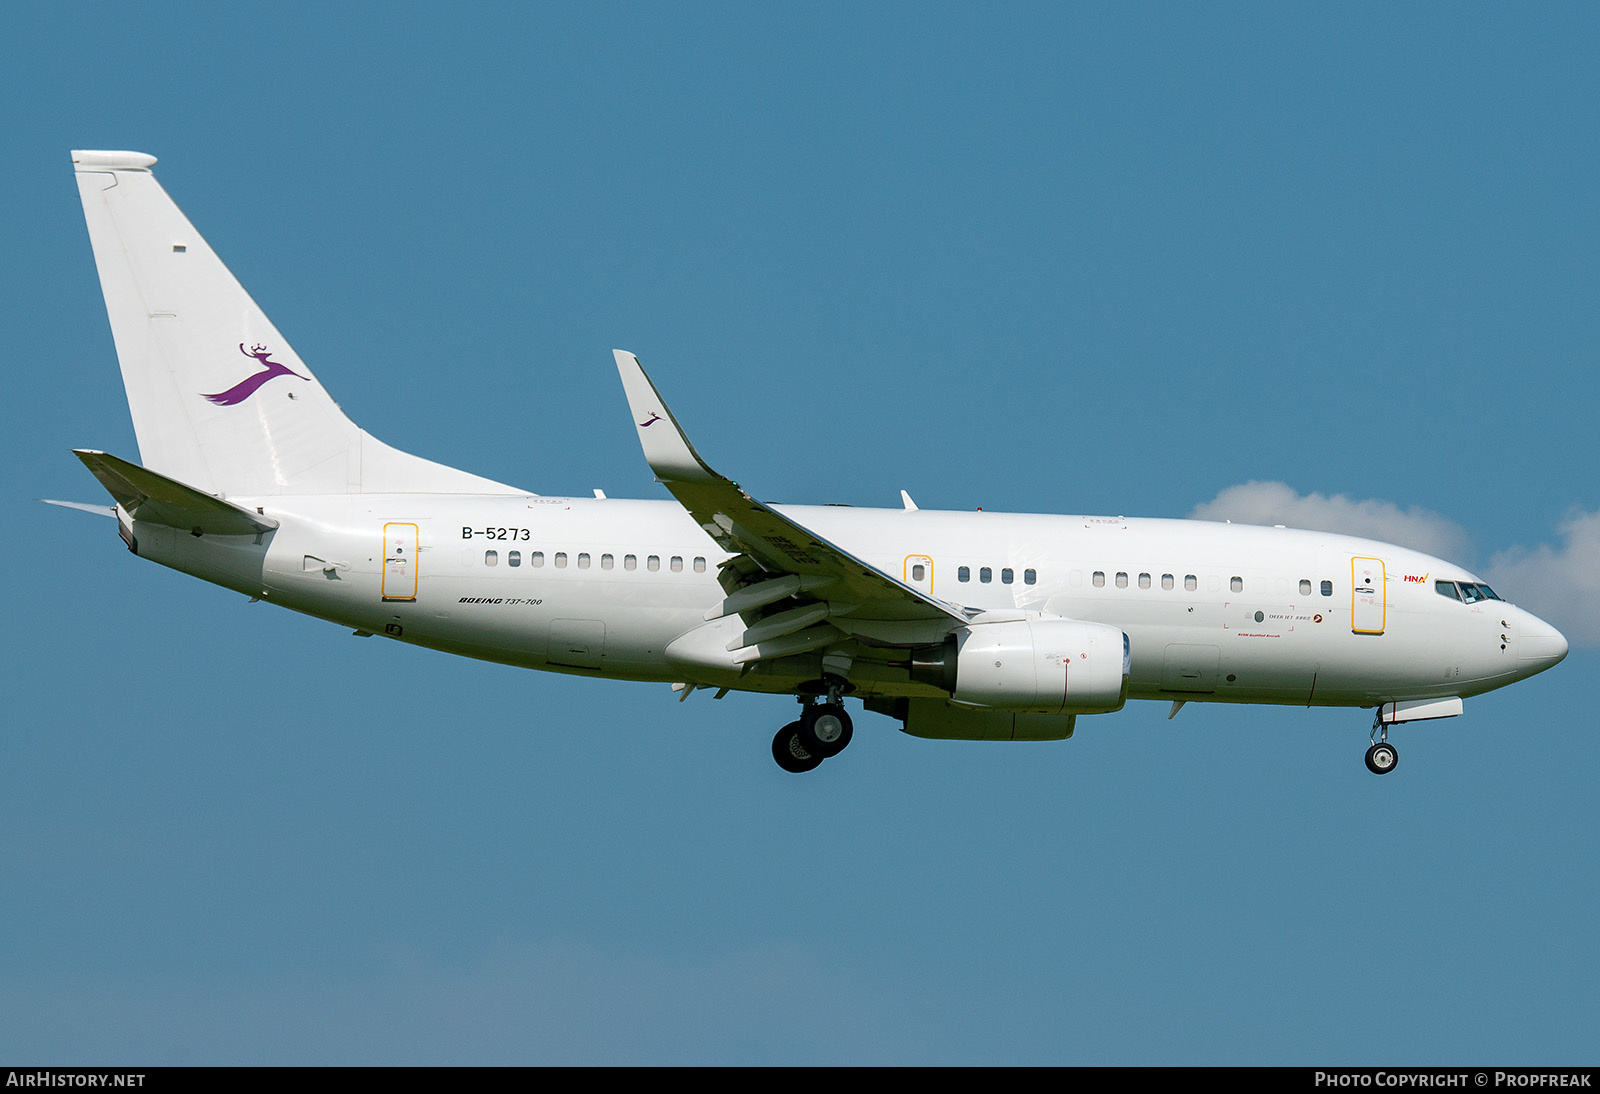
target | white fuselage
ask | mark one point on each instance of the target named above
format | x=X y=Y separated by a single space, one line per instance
x=974 y=626
x=620 y=588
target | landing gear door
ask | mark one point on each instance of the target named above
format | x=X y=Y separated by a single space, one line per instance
x=1368 y=598
x=918 y=573
x=399 y=561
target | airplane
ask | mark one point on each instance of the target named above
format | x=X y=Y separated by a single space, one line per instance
x=957 y=625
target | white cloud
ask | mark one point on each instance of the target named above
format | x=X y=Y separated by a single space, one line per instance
x=1559 y=584
x=1278 y=503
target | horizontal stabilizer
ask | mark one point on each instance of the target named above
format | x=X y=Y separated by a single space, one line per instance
x=149 y=496
x=98 y=510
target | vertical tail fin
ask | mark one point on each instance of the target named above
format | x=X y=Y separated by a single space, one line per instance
x=220 y=400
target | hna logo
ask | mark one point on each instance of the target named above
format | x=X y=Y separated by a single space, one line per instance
x=1415 y=580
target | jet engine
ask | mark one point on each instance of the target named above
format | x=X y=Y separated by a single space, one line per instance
x=1036 y=666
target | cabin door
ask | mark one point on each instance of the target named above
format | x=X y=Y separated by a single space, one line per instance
x=399 y=561
x=1369 y=606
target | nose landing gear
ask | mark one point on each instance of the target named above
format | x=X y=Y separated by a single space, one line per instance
x=1382 y=756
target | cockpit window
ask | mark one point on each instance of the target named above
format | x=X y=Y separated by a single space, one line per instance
x=1469 y=591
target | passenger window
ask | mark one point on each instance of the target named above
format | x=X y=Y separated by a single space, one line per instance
x=653 y=563
x=1122 y=581
x=985 y=575
x=1030 y=577
x=491 y=558
x=1166 y=581
x=606 y=562
x=1099 y=579
x=561 y=560
x=513 y=558
x=1236 y=584
x=1305 y=586
x=699 y=564
x=1447 y=589
x=536 y=559
x=630 y=562
x=677 y=564
x=1006 y=576
x=583 y=561
x=964 y=573
x=918 y=571
x=1191 y=582
x=1327 y=588
x=1144 y=581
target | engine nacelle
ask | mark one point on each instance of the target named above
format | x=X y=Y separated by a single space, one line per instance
x=1038 y=666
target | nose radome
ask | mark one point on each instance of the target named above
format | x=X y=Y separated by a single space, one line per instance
x=1539 y=645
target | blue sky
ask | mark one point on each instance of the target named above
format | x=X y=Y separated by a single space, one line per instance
x=1231 y=260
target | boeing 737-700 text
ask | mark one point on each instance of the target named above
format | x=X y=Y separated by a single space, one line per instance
x=970 y=625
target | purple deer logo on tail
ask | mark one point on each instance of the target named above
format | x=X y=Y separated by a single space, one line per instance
x=245 y=388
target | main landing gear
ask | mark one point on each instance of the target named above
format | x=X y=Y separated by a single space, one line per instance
x=824 y=729
x=1382 y=756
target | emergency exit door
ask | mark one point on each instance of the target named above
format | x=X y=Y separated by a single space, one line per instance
x=918 y=572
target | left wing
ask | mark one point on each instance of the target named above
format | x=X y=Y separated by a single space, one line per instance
x=788 y=558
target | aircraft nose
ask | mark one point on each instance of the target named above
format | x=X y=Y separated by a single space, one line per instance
x=1539 y=645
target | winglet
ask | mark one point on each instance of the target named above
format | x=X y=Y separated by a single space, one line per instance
x=666 y=448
